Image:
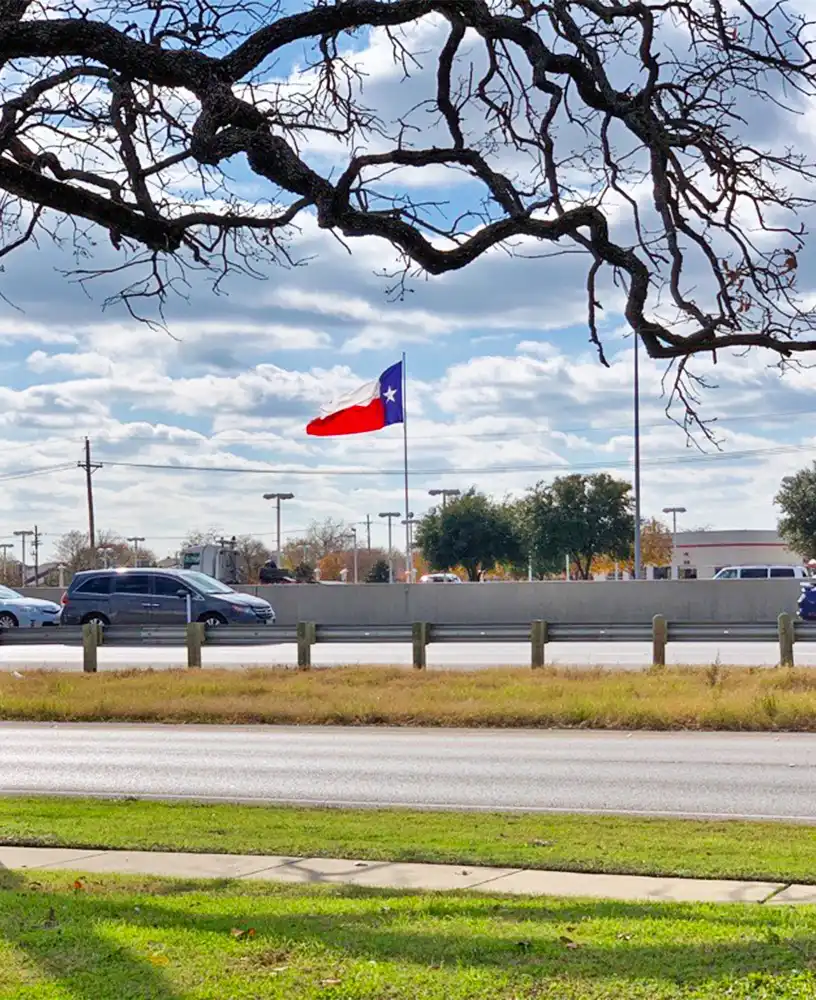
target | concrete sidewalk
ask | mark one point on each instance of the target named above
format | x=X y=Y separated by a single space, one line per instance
x=402 y=875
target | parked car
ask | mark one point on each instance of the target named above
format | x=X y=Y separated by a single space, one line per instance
x=762 y=573
x=158 y=597
x=26 y=612
x=440 y=578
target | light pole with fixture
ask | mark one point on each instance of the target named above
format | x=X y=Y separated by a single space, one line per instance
x=444 y=494
x=4 y=547
x=22 y=535
x=674 y=511
x=106 y=551
x=135 y=539
x=637 y=460
x=277 y=497
x=409 y=523
x=353 y=534
x=390 y=514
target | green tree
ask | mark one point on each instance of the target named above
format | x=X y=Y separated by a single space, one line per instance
x=580 y=516
x=797 y=501
x=378 y=572
x=473 y=531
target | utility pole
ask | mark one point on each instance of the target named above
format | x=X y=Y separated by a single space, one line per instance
x=90 y=467
x=135 y=539
x=22 y=535
x=36 y=546
x=390 y=514
x=368 y=532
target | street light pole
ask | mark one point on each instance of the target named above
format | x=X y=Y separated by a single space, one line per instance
x=353 y=533
x=444 y=494
x=136 y=539
x=390 y=514
x=5 y=548
x=637 y=460
x=674 y=511
x=277 y=497
x=409 y=523
x=22 y=535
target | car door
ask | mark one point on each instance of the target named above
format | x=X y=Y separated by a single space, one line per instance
x=168 y=607
x=131 y=602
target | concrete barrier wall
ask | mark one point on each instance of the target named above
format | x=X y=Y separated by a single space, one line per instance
x=622 y=601
x=496 y=603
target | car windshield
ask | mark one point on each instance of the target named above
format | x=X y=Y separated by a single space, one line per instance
x=7 y=594
x=206 y=584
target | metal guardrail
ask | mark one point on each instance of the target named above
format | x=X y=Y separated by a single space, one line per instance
x=537 y=634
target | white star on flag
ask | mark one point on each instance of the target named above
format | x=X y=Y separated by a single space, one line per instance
x=390 y=395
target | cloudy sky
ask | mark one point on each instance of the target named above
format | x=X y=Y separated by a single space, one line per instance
x=504 y=390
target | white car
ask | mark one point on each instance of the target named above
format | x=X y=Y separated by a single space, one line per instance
x=762 y=573
x=26 y=612
x=440 y=578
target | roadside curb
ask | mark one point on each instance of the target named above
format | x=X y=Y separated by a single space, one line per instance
x=405 y=876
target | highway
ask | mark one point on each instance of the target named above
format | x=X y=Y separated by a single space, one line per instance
x=680 y=774
x=456 y=656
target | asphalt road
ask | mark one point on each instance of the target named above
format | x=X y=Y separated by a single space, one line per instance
x=456 y=656
x=719 y=775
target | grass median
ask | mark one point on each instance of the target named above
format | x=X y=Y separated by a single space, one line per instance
x=107 y=938
x=710 y=698
x=773 y=852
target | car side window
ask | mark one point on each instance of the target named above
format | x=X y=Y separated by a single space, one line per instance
x=782 y=571
x=132 y=583
x=754 y=573
x=166 y=586
x=95 y=585
x=729 y=574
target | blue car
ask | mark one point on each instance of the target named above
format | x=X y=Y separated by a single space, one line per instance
x=26 y=612
x=807 y=602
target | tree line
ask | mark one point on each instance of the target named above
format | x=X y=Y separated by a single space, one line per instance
x=588 y=519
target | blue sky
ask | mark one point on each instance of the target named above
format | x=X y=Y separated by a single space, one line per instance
x=504 y=390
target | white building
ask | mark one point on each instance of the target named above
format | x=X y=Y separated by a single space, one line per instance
x=698 y=555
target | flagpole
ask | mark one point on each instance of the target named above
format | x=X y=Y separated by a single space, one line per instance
x=409 y=556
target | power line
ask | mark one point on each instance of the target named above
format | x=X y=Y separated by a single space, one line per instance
x=476 y=471
x=29 y=473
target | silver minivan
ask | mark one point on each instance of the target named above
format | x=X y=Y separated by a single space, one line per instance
x=762 y=573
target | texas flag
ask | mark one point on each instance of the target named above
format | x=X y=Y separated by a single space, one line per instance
x=373 y=406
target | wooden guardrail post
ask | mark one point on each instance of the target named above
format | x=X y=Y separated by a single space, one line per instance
x=196 y=635
x=660 y=636
x=419 y=637
x=91 y=633
x=786 y=637
x=306 y=635
x=538 y=641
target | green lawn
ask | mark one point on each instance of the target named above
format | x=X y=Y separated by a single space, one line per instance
x=768 y=851
x=114 y=938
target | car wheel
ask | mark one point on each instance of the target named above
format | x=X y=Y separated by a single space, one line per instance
x=7 y=620
x=95 y=618
x=213 y=620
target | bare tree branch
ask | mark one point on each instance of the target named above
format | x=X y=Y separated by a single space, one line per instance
x=135 y=115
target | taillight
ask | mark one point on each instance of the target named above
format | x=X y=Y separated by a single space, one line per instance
x=64 y=598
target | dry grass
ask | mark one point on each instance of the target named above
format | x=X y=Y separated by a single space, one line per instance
x=679 y=698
